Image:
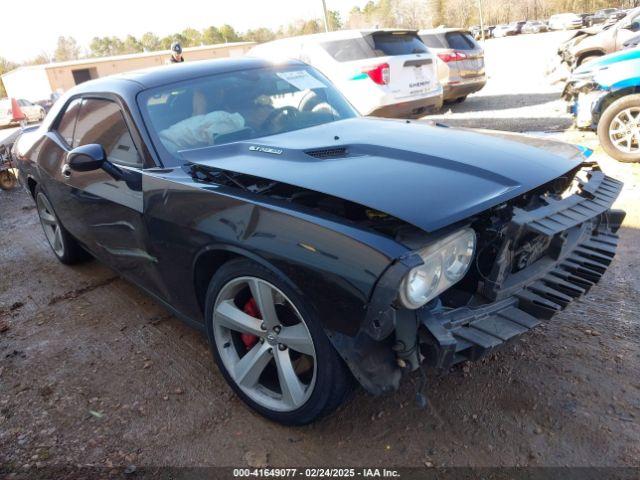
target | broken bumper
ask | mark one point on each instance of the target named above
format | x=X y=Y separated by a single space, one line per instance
x=584 y=230
x=583 y=106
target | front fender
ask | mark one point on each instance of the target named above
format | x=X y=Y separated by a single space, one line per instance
x=337 y=267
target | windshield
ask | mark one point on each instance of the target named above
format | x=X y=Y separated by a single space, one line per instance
x=236 y=106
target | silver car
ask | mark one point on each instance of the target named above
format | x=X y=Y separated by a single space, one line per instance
x=534 y=26
x=460 y=61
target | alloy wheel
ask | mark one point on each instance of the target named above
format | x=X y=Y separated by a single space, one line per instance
x=624 y=130
x=264 y=344
x=50 y=224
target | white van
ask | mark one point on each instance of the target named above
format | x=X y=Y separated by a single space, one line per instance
x=386 y=73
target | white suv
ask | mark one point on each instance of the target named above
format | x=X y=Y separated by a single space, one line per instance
x=565 y=21
x=387 y=73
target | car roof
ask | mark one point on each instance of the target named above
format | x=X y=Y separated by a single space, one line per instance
x=163 y=75
x=337 y=35
x=431 y=31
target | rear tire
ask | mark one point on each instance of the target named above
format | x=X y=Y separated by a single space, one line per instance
x=609 y=123
x=64 y=246
x=324 y=381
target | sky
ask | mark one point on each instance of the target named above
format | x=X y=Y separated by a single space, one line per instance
x=30 y=27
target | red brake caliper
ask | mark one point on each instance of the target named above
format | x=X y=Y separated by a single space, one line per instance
x=250 y=308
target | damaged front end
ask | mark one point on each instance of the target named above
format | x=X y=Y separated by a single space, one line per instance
x=568 y=50
x=583 y=96
x=534 y=255
x=518 y=262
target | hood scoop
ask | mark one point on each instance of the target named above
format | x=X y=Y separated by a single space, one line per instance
x=332 y=152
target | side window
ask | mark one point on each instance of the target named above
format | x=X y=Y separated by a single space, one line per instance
x=433 y=40
x=67 y=123
x=461 y=41
x=102 y=122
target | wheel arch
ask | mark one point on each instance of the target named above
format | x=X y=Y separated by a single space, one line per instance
x=588 y=53
x=606 y=100
x=211 y=258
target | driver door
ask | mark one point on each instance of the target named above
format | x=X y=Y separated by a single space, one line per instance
x=108 y=211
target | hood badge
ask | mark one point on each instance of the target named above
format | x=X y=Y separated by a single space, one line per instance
x=273 y=151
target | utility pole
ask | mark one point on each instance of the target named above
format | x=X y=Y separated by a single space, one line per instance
x=326 y=19
x=481 y=20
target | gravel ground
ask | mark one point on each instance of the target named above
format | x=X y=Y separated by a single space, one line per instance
x=518 y=96
x=94 y=373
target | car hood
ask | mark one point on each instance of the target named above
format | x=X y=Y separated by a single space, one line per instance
x=582 y=34
x=614 y=76
x=428 y=175
x=607 y=60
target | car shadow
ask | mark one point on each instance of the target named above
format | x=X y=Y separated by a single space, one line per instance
x=501 y=102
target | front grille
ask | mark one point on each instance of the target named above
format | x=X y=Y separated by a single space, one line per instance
x=328 y=152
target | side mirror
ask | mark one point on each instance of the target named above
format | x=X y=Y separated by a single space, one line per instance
x=87 y=158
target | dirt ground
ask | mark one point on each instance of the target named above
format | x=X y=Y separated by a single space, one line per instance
x=94 y=373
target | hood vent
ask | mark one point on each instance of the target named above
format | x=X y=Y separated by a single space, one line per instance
x=328 y=152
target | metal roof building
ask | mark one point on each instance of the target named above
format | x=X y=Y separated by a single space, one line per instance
x=39 y=82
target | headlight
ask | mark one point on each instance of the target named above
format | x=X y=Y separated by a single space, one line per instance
x=446 y=262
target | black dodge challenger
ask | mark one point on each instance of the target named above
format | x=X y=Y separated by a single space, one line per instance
x=310 y=244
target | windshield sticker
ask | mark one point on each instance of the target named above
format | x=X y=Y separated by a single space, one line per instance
x=301 y=79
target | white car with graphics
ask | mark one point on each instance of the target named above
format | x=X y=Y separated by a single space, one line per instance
x=387 y=73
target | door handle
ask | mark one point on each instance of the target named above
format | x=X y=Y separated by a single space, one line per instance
x=66 y=170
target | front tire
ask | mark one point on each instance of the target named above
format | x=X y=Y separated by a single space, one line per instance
x=270 y=347
x=587 y=59
x=64 y=246
x=619 y=129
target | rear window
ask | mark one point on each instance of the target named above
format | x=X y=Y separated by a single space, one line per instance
x=392 y=44
x=433 y=40
x=387 y=44
x=461 y=41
